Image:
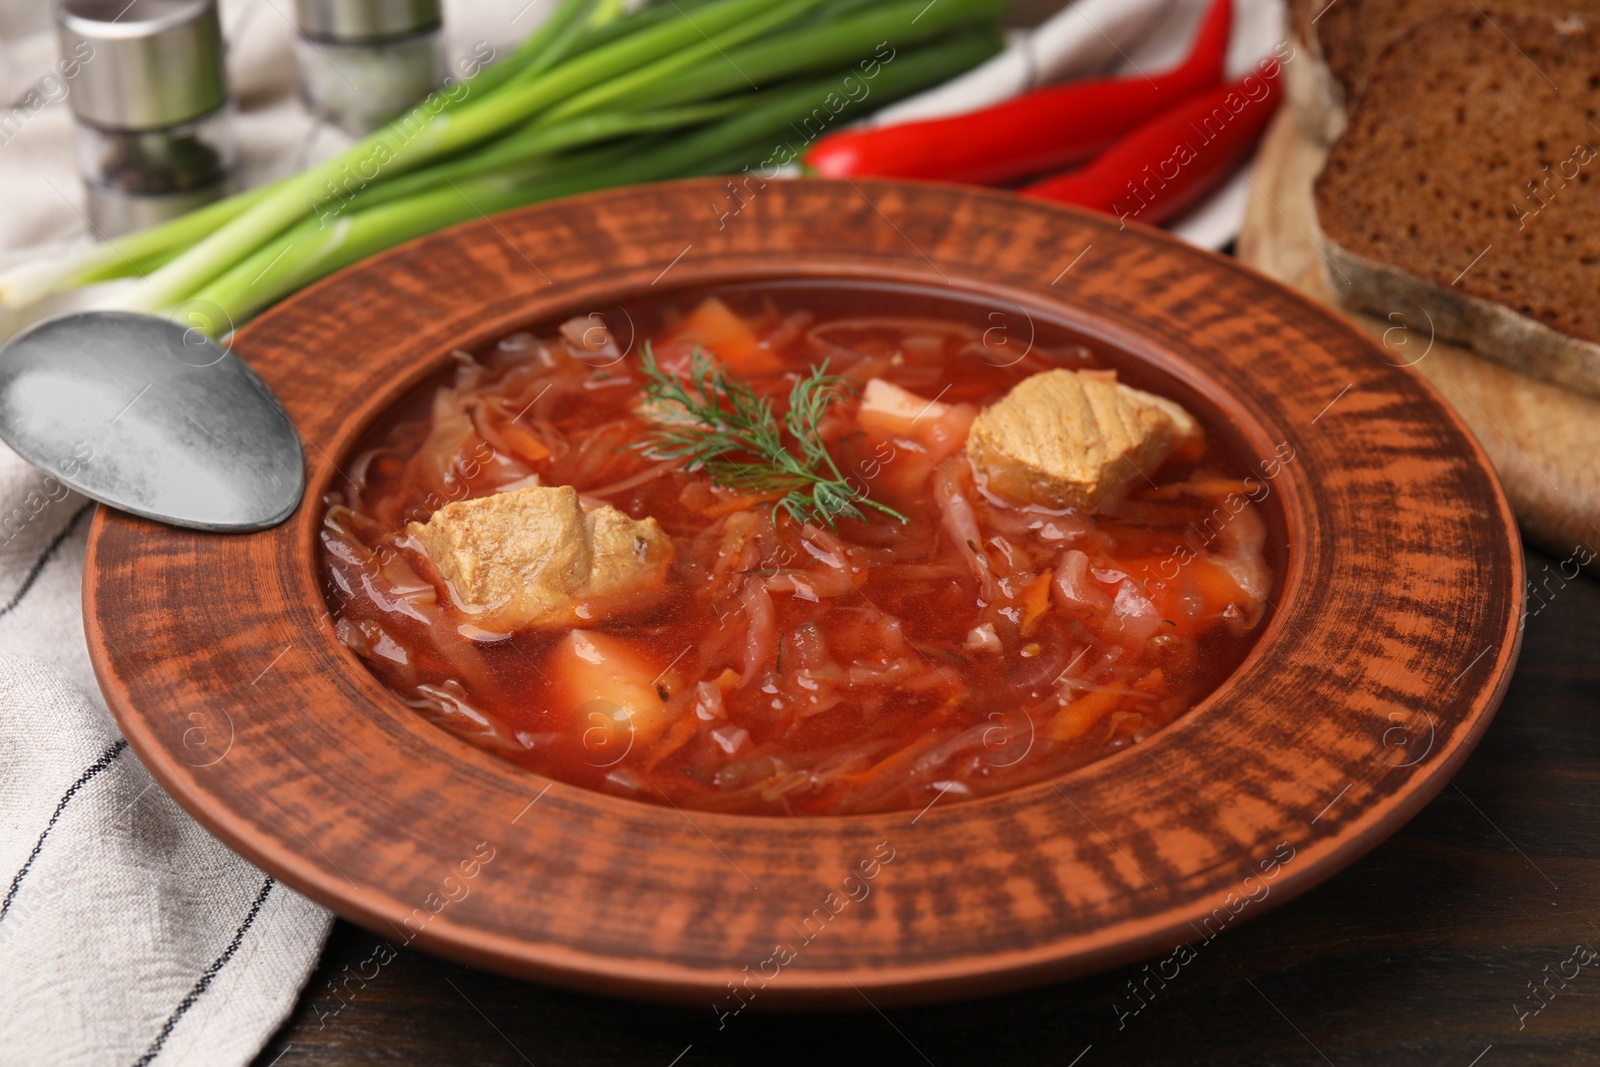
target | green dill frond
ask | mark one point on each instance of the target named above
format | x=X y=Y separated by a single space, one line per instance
x=715 y=420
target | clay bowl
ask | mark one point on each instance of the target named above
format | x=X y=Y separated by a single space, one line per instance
x=1395 y=631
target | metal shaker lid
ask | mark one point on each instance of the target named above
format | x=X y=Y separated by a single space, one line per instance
x=144 y=64
x=365 y=20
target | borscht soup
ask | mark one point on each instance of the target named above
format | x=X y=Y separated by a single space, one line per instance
x=800 y=548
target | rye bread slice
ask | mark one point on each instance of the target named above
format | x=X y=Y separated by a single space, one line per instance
x=1343 y=40
x=1354 y=34
x=1466 y=186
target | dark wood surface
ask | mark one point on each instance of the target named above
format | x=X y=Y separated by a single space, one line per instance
x=1419 y=954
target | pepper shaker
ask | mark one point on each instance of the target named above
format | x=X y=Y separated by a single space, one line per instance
x=362 y=62
x=151 y=106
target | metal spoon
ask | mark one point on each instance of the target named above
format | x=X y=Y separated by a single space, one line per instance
x=149 y=417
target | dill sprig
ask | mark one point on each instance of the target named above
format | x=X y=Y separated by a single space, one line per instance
x=717 y=422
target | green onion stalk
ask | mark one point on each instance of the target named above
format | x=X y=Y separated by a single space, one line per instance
x=592 y=99
x=139 y=253
x=531 y=151
x=136 y=254
x=765 y=127
x=409 y=143
x=820 y=46
x=448 y=121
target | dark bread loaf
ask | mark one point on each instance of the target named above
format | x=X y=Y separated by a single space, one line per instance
x=1343 y=40
x=1468 y=185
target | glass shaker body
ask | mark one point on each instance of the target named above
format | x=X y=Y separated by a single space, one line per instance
x=150 y=99
x=364 y=62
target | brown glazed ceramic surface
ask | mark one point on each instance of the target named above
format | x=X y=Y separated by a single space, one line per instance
x=1396 y=628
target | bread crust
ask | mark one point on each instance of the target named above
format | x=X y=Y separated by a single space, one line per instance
x=1490 y=329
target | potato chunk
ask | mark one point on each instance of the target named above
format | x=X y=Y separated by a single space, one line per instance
x=531 y=558
x=1065 y=439
x=890 y=411
x=611 y=687
x=911 y=436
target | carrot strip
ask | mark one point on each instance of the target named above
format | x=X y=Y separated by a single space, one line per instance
x=1079 y=717
x=894 y=761
x=525 y=443
x=1218 y=588
x=1153 y=683
x=717 y=327
x=1035 y=602
x=679 y=735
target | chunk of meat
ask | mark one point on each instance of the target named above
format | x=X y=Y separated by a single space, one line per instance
x=536 y=558
x=1065 y=439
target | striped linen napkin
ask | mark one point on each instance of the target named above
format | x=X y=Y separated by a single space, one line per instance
x=128 y=935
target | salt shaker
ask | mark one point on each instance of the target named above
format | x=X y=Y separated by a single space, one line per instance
x=362 y=62
x=151 y=106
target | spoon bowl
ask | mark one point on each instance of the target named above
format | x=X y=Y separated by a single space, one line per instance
x=151 y=418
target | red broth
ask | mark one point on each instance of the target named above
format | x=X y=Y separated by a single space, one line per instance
x=875 y=666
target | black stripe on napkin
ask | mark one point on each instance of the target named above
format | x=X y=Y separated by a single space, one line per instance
x=204 y=981
x=83 y=779
x=44 y=557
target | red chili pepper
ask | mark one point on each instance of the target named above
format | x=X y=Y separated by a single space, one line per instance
x=1035 y=133
x=1175 y=159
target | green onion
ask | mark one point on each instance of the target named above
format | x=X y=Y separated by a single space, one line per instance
x=594 y=98
x=139 y=253
x=762 y=130
x=784 y=111
x=557 y=37
x=711 y=51
x=121 y=257
x=819 y=47
x=593 y=34
x=530 y=146
x=311 y=250
x=403 y=146
x=542 y=47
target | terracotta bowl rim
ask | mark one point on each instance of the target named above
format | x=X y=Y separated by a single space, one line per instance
x=899 y=982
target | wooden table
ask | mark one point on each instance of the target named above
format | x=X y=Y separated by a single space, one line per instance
x=1420 y=954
